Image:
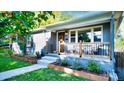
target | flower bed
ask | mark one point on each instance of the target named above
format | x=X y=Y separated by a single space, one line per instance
x=81 y=73
x=25 y=58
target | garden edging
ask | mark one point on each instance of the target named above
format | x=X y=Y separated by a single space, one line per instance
x=31 y=60
x=84 y=74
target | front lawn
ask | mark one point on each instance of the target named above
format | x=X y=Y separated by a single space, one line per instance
x=46 y=75
x=7 y=63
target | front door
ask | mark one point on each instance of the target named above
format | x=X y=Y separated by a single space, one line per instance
x=61 y=41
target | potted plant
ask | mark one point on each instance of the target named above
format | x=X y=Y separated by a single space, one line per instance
x=38 y=55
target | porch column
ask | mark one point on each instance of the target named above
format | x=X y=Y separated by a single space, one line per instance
x=57 y=42
x=69 y=37
x=112 y=37
x=92 y=35
x=76 y=36
x=80 y=49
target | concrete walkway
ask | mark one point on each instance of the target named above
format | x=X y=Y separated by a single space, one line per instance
x=18 y=71
x=42 y=63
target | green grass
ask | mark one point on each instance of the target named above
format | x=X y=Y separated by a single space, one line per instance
x=2 y=51
x=46 y=75
x=7 y=63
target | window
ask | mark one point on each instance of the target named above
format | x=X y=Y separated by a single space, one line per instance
x=84 y=36
x=97 y=34
x=72 y=36
x=90 y=34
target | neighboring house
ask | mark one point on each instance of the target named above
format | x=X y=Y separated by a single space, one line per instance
x=6 y=42
x=91 y=33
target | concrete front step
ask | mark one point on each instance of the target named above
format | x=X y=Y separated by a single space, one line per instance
x=50 y=58
x=44 y=61
x=61 y=57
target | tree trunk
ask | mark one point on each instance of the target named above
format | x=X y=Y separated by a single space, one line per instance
x=25 y=52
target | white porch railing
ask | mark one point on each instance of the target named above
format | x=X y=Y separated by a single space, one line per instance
x=101 y=49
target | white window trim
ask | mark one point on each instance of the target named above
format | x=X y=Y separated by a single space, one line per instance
x=92 y=32
x=101 y=33
x=70 y=36
x=92 y=35
x=57 y=43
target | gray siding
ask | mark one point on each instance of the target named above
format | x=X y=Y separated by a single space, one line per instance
x=106 y=32
x=53 y=42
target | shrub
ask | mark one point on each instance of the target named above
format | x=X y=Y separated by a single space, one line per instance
x=93 y=67
x=76 y=65
x=64 y=63
x=10 y=52
x=42 y=52
x=38 y=55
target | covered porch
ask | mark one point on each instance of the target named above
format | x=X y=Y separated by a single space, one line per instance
x=91 y=35
x=91 y=41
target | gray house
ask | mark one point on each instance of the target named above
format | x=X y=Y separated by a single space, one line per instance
x=90 y=36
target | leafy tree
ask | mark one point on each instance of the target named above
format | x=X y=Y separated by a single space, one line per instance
x=21 y=22
x=58 y=16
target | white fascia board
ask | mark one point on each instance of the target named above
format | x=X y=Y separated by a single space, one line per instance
x=81 y=24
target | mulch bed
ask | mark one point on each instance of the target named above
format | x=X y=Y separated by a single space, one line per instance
x=81 y=72
x=32 y=60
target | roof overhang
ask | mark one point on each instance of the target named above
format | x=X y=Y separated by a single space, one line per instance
x=39 y=30
x=87 y=19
